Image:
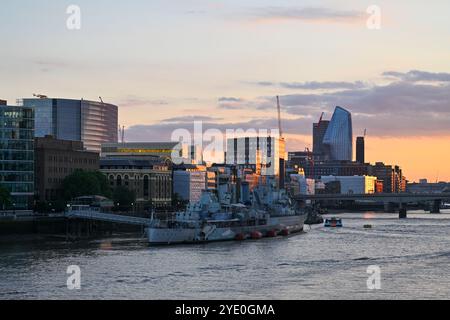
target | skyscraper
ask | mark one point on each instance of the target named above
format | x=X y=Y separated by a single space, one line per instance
x=17 y=154
x=91 y=122
x=360 y=150
x=319 y=130
x=339 y=136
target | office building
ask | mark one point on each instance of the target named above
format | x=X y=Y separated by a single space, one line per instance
x=17 y=154
x=265 y=155
x=360 y=150
x=57 y=159
x=427 y=187
x=338 y=139
x=189 y=182
x=153 y=151
x=91 y=122
x=298 y=159
x=392 y=177
x=317 y=169
x=319 y=130
x=302 y=185
x=150 y=181
x=400 y=180
x=353 y=184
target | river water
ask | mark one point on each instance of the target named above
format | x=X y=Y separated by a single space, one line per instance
x=413 y=256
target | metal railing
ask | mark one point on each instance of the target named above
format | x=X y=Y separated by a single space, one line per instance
x=107 y=217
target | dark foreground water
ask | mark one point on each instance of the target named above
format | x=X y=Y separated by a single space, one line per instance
x=413 y=254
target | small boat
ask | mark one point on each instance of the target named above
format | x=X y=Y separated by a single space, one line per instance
x=333 y=223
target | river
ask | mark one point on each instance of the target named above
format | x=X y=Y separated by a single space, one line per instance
x=413 y=257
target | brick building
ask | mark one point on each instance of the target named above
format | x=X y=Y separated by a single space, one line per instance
x=55 y=160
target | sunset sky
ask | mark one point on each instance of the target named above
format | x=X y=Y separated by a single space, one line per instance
x=167 y=63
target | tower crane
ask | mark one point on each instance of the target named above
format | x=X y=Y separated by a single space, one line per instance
x=321 y=118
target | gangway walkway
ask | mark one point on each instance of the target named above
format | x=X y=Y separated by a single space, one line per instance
x=108 y=217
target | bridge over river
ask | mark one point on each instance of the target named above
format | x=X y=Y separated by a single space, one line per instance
x=388 y=199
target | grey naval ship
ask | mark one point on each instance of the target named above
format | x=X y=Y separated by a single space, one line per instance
x=270 y=213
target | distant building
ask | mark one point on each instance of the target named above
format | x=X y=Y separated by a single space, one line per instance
x=3 y=102
x=57 y=159
x=353 y=185
x=332 y=187
x=91 y=122
x=360 y=150
x=425 y=187
x=153 y=151
x=338 y=139
x=379 y=187
x=302 y=185
x=400 y=180
x=218 y=175
x=319 y=130
x=189 y=182
x=317 y=169
x=298 y=159
x=17 y=154
x=266 y=156
x=150 y=181
x=391 y=176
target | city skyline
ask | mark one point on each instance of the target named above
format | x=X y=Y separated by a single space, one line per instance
x=164 y=69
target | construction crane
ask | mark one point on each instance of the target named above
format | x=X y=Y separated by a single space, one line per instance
x=279 y=117
x=321 y=118
x=101 y=99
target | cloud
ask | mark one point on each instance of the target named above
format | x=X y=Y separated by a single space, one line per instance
x=50 y=65
x=315 y=85
x=418 y=76
x=133 y=101
x=225 y=99
x=231 y=103
x=163 y=131
x=400 y=108
x=306 y=14
x=265 y=83
x=189 y=119
x=397 y=109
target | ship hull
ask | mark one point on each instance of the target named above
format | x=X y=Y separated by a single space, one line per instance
x=165 y=236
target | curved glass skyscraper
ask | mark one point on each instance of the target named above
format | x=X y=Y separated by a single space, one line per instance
x=338 y=139
x=92 y=122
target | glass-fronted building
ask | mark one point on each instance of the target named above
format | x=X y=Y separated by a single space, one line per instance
x=338 y=140
x=17 y=154
x=91 y=122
